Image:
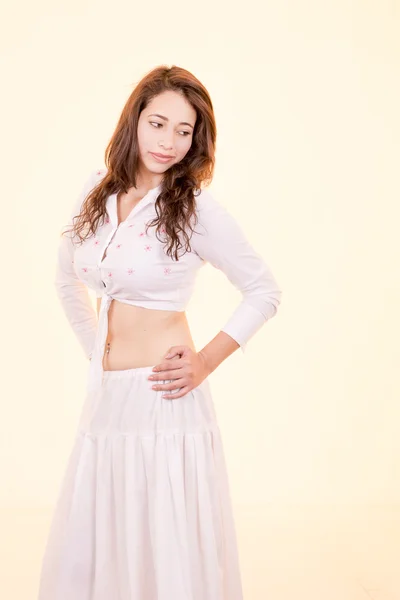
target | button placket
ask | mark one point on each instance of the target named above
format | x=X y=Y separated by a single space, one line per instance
x=103 y=254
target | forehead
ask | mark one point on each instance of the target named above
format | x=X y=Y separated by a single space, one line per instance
x=172 y=105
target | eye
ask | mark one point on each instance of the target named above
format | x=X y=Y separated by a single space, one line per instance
x=185 y=133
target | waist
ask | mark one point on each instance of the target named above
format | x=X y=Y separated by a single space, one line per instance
x=139 y=337
x=123 y=317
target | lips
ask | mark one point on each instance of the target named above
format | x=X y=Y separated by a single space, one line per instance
x=161 y=155
x=162 y=159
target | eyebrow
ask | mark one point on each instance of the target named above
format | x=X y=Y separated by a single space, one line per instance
x=166 y=119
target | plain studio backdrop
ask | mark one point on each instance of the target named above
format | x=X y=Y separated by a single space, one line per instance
x=306 y=96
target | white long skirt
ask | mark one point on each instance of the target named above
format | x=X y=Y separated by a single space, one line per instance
x=144 y=511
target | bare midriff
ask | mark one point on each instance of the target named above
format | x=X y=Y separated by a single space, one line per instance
x=140 y=337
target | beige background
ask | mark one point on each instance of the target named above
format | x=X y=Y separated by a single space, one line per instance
x=306 y=96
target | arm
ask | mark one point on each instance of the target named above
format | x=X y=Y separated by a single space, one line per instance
x=72 y=293
x=219 y=239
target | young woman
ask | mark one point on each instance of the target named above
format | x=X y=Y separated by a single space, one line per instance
x=144 y=511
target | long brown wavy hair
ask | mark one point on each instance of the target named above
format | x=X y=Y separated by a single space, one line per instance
x=175 y=205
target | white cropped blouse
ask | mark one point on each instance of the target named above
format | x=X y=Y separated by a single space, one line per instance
x=123 y=262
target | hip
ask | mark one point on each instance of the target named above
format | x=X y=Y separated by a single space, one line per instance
x=126 y=404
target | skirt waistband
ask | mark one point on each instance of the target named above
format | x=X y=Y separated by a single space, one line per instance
x=134 y=372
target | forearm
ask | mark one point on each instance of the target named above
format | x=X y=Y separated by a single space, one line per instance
x=79 y=312
x=216 y=351
x=221 y=241
x=74 y=298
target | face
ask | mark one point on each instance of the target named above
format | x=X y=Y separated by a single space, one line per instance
x=165 y=127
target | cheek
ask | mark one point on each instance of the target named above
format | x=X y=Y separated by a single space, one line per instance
x=140 y=140
x=184 y=146
x=145 y=136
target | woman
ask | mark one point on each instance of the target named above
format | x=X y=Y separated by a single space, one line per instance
x=144 y=511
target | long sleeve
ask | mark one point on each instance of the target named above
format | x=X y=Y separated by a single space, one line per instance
x=72 y=293
x=219 y=239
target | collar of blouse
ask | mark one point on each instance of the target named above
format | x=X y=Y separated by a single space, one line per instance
x=111 y=205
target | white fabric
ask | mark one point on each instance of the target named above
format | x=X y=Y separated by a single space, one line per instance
x=137 y=270
x=144 y=511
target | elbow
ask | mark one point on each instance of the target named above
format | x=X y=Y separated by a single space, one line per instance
x=266 y=298
x=262 y=291
x=260 y=301
x=271 y=301
x=252 y=313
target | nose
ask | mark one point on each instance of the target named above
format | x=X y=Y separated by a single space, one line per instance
x=165 y=143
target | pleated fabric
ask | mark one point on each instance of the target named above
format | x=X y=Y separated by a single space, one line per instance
x=144 y=510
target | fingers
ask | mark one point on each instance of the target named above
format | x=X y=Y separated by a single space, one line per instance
x=168 y=365
x=169 y=386
x=170 y=374
x=179 y=394
x=178 y=385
